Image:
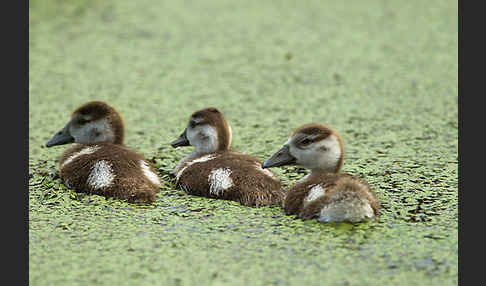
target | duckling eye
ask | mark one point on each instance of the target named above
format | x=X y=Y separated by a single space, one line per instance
x=192 y=123
x=305 y=142
x=82 y=121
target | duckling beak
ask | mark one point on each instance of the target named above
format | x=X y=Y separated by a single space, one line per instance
x=61 y=137
x=181 y=141
x=281 y=158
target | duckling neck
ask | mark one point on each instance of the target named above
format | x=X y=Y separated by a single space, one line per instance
x=189 y=157
x=198 y=152
x=208 y=148
x=203 y=150
x=319 y=171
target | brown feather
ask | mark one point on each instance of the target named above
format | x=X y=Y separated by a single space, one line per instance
x=129 y=183
x=338 y=186
x=251 y=187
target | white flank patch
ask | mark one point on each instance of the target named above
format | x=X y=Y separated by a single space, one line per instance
x=198 y=160
x=315 y=192
x=267 y=172
x=148 y=173
x=219 y=180
x=101 y=175
x=85 y=151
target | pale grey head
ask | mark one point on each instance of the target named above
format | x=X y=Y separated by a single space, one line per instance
x=207 y=130
x=94 y=122
x=313 y=146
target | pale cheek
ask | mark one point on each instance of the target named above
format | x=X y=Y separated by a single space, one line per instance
x=306 y=158
x=332 y=155
x=93 y=132
x=192 y=136
x=204 y=138
x=294 y=152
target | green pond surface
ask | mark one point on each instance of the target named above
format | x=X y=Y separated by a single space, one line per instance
x=382 y=73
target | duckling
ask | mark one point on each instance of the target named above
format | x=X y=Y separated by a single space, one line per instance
x=213 y=171
x=325 y=193
x=98 y=162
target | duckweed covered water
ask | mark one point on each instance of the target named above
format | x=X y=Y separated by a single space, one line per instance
x=383 y=73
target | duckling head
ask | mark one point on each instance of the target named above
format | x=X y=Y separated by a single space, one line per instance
x=313 y=146
x=207 y=130
x=93 y=122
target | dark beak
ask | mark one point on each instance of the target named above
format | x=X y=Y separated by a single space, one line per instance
x=61 y=137
x=281 y=158
x=181 y=141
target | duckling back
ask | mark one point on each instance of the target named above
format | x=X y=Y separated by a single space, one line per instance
x=229 y=176
x=110 y=170
x=332 y=197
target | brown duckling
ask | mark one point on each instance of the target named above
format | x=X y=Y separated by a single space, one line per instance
x=213 y=171
x=98 y=162
x=325 y=193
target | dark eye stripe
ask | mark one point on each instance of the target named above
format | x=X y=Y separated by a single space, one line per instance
x=193 y=123
x=306 y=141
